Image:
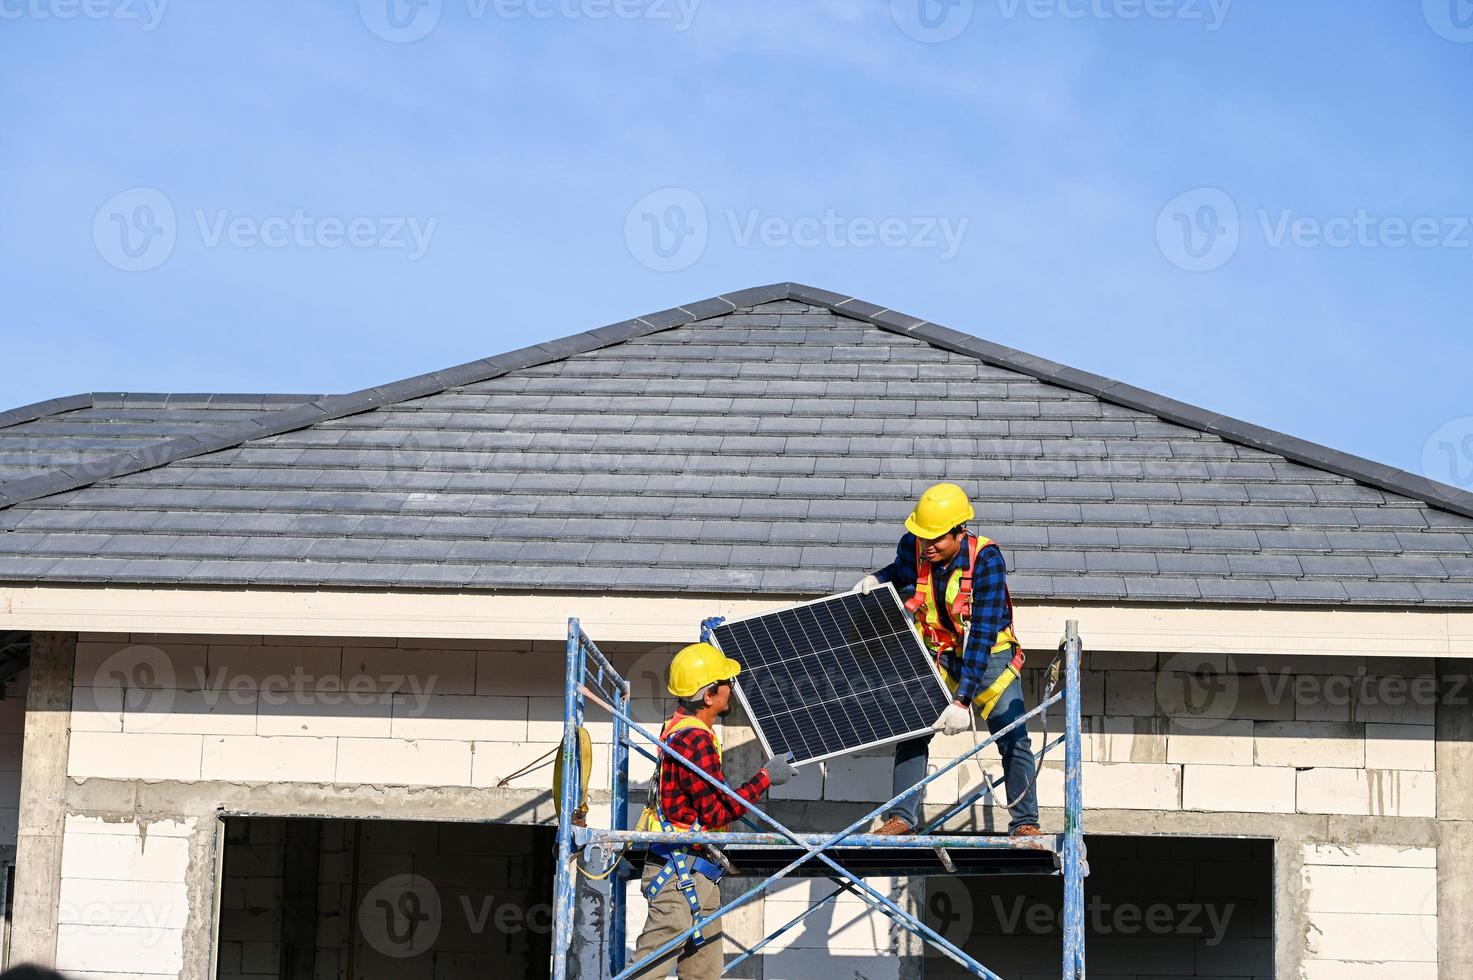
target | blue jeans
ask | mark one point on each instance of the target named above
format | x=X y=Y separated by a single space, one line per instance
x=911 y=756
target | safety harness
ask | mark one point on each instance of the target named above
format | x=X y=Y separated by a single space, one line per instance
x=926 y=609
x=680 y=862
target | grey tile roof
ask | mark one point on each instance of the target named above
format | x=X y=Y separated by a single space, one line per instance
x=767 y=441
x=88 y=433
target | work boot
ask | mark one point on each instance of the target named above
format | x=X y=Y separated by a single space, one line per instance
x=1027 y=830
x=896 y=826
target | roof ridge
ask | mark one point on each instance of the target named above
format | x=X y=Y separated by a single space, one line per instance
x=329 y=407
x=40 y=410
x=117 y=399
x=326 y=408
x=1380 y=475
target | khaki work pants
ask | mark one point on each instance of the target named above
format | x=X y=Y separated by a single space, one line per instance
x=669 y=917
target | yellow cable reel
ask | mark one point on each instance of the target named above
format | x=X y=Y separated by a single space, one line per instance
x=585 y=768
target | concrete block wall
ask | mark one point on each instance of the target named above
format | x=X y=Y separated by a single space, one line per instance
x=1343 y=735
x=1323 y=735
x=124 y=899
x=12 y=731
x=1372 y=912
x=335 y=711
x=1204 y=739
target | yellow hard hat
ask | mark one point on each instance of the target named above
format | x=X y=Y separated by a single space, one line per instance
x=698 y=665
x=940 y=509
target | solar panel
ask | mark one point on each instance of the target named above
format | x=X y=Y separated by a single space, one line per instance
x=834 y=676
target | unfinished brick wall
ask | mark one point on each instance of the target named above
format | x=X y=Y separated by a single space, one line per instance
x=1195 y=743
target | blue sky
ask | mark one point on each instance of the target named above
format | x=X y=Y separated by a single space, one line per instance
x=1261 y=208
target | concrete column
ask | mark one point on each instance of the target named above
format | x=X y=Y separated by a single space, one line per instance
x=1454 y=819
x=42 y=789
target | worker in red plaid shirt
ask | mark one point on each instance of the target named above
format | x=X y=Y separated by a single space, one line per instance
x=679 y=882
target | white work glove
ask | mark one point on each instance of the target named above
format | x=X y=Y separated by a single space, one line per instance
x=867 y=585
x=954 y=720
x=779 y=769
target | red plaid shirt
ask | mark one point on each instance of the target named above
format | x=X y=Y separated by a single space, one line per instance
x=687 y=798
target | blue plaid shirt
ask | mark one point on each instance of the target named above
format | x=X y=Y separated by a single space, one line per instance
x=989 y=607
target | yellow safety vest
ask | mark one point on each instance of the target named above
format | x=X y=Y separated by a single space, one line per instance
x=938 y=639
x=934 y=634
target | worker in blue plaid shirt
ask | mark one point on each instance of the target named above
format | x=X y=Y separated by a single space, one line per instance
x=964 y=613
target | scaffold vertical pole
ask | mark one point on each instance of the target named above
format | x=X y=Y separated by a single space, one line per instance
x=566 y=880
x=1073 y=810
x=619 y=781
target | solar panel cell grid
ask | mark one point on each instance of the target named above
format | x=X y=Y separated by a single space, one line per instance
x=830 y=677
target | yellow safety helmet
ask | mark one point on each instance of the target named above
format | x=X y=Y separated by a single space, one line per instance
x=698 y=665
x=940 y=509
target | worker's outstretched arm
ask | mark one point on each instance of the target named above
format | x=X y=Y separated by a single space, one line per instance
x=989 y=616
x=713 y=807
x=901 y=571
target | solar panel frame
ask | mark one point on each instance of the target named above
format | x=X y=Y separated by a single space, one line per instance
x=913 y=639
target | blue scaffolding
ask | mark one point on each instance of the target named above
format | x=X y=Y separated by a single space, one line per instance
x=847 y=856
